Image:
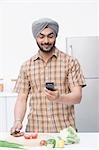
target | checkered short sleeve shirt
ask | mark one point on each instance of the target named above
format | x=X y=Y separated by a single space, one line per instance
x=65 y=72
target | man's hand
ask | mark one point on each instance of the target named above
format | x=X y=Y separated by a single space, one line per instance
x=52 y=95
x=15 y=130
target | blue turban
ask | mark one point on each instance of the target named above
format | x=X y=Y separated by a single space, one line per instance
x=41 y=24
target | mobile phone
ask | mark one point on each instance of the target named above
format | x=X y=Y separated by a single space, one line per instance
x=50 y=86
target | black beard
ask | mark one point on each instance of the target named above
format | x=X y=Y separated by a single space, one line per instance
x=40 y=47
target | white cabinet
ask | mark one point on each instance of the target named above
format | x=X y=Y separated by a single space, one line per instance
x=3 y=114
x=10 y=102
x=85 y=49
x=7 y=102
x=87 y=112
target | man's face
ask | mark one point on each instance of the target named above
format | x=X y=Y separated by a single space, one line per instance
x=46 y=40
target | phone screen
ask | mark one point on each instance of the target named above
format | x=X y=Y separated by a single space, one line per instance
x=50 y=86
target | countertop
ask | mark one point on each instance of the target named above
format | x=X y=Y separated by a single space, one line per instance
x=8 y=94
x=88 y=141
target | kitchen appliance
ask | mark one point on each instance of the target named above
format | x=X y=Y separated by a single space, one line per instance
x=85 y=49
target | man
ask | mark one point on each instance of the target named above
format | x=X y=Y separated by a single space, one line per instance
x=50 y=111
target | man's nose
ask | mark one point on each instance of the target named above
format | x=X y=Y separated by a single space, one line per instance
x=46 y=40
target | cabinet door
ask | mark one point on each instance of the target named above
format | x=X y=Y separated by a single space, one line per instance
x=10 y=111
x=98 y=106
x=85 y=49
x=87 y=116
x=3 y=115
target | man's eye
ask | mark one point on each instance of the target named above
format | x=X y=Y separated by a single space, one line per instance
x=41 y=36
x=50 y=36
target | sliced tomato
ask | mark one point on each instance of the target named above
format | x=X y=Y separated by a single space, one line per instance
x=31 y=136
x=42 y=142
x=34 y=136
x=26 y=136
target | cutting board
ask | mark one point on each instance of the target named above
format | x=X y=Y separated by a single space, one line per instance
x=29 y=142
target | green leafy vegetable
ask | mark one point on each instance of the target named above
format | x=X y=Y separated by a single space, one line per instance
x=50 y=143
x=69 y=135
x=10 y=145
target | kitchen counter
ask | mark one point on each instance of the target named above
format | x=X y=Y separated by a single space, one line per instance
x=88 y=141
x=8 y=94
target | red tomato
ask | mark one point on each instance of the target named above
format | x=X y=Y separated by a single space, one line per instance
x=31 y=136
x=26 y=136
x=42 y=142
x=34 y=136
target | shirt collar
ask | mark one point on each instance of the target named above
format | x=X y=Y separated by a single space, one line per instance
x=55 y=53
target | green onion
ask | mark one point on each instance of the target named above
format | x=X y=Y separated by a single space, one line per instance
x=10 y=144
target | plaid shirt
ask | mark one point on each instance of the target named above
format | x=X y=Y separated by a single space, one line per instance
x=65 y=72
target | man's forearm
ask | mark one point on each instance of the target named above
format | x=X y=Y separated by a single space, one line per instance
x=70 y=98
x=19 y=111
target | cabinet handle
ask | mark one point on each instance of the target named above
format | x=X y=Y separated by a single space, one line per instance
x=71 y=50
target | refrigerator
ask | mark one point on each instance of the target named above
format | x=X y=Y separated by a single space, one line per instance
x=86 y=50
